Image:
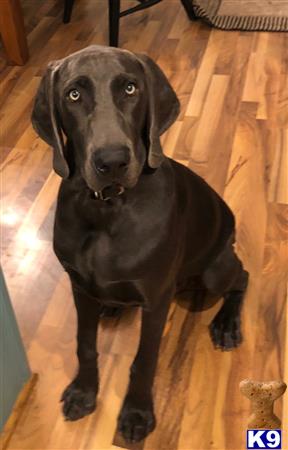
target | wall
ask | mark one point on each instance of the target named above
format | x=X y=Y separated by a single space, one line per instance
x=14 y=368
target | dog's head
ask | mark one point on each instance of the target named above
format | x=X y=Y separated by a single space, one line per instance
x=103 y=110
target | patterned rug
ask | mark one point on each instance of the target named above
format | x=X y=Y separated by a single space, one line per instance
x=250 y=15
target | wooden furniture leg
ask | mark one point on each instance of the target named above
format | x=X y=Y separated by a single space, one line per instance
x=114 y=18
x=188 y=6
x=13 y=32
x=68 y=6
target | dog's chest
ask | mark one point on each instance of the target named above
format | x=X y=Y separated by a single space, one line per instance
x=121 y=250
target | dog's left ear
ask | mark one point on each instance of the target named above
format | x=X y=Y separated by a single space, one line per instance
x=163 y=105
x=46 y=120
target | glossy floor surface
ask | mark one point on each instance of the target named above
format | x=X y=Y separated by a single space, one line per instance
x=232 y=130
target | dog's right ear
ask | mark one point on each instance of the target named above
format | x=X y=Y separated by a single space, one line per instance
x=46 y=121
x=163 y=108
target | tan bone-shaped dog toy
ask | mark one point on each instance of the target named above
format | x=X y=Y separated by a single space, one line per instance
x=263 y=396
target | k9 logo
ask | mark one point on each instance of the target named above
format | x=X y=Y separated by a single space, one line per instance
x=264 y=439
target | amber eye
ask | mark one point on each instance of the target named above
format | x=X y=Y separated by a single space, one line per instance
x=130 y=88
x=74 y=95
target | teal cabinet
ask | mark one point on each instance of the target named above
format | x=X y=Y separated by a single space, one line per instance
x=14 y=368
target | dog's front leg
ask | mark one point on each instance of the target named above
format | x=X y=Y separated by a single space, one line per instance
x=136 y=419
x=79 y=398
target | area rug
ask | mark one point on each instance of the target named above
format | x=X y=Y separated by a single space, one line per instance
x=249 y=15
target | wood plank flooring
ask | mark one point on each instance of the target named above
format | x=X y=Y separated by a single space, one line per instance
x=233 y=131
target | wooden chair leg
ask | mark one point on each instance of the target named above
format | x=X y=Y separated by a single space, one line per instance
x=68 y=6
x=13 y=32
x=188 y=6
x=114 y=18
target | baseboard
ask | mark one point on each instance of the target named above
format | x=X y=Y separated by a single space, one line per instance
x=17 y=411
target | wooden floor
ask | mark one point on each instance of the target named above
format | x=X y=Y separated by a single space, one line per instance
x=232 y=130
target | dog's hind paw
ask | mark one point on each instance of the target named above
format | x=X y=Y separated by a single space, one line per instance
x=225 y=333
x=77 y=402
x=135 y=424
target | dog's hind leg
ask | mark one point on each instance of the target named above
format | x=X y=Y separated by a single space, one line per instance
x=227 y=276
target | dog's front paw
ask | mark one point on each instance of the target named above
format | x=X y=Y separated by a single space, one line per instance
x=135 y=423
x=225 y=332
x=78 y=402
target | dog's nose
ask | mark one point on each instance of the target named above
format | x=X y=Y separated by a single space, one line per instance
x=111 y=160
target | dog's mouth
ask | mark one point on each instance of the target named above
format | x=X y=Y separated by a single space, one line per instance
x=113 y=185
x=108 y=192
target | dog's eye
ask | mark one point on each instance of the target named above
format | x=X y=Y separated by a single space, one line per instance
x=130 y=88
x=74 y=95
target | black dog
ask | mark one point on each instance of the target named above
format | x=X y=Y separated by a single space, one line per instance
x=131 y=226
